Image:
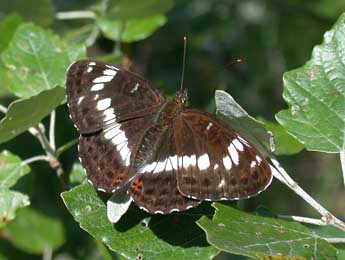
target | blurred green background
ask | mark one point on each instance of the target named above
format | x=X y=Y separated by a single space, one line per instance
x=271 y=37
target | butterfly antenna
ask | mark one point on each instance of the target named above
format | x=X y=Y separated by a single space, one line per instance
x=184 y=60
x=231 y=63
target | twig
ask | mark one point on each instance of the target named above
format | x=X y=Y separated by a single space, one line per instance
x=342 y=161
x=52 y=130
x=35 y=159
x=306 y=220
x=3 y=109
x=283 y=176
x=48 y=146
x=75 y=15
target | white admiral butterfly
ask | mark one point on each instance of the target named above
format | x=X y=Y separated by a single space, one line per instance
x=171 y=157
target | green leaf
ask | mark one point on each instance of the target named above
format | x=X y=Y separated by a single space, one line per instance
x=231 y=112
x=37 y=60
x=130 y=30
x=25 y=113
x=77 y=174
x=123 y=9
x=11 y=169
x=34 y=232
x=157 y=237
x=284 y=142
x=316 y=95
x=38 y=11
x=10 y=202
x=259 y=237
x=7 y=28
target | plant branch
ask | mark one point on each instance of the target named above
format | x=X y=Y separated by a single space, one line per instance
x=35 y=159
x=75 y=15
x=328 y=218
x=52 y=130
x=342 y=161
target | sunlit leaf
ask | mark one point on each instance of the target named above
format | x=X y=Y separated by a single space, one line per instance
x=316 y=95
x=37 y=60
x=259 y=237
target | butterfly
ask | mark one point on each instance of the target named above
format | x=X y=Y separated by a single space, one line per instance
x=170 y=157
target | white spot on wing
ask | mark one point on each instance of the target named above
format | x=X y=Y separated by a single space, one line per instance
x=238 y=145
x=109 y=114
x=111 y=67
x=103 y=104
x=103 y=79
x=80 y=100
x=253 y=164
x=89 y=69
x=189 y=161
x=109 y=72
x=243 y=141
x=221 y=184
x=227 y=162
x=111 y=133
x=234 y=154
x=160 y=167
x=149 y=167
x=203 y=162
x=92 y=63
x=209 y=126
x=258 y=159
x=135 y=88
x=97 y=87
x=120 y=138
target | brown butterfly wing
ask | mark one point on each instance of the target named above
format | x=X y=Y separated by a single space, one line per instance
x=112 y=108
x=215 y=162
x=155 y=187
x=100 y=94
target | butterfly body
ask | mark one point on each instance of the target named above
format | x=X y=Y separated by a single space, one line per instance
x=171 y=156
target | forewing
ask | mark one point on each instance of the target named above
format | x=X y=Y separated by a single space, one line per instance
x=155 y=187
x=100 y=94
x=215 y=162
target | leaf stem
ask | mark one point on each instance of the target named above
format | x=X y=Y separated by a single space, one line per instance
x=52 y=130
x=70 y=15
x=342 y=161
x=35 y=159
x=306 y=220
x=279 y=172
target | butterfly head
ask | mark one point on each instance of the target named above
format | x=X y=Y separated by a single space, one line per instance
x=181 y=96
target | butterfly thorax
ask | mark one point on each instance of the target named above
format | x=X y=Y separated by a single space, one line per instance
x=171 y=109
